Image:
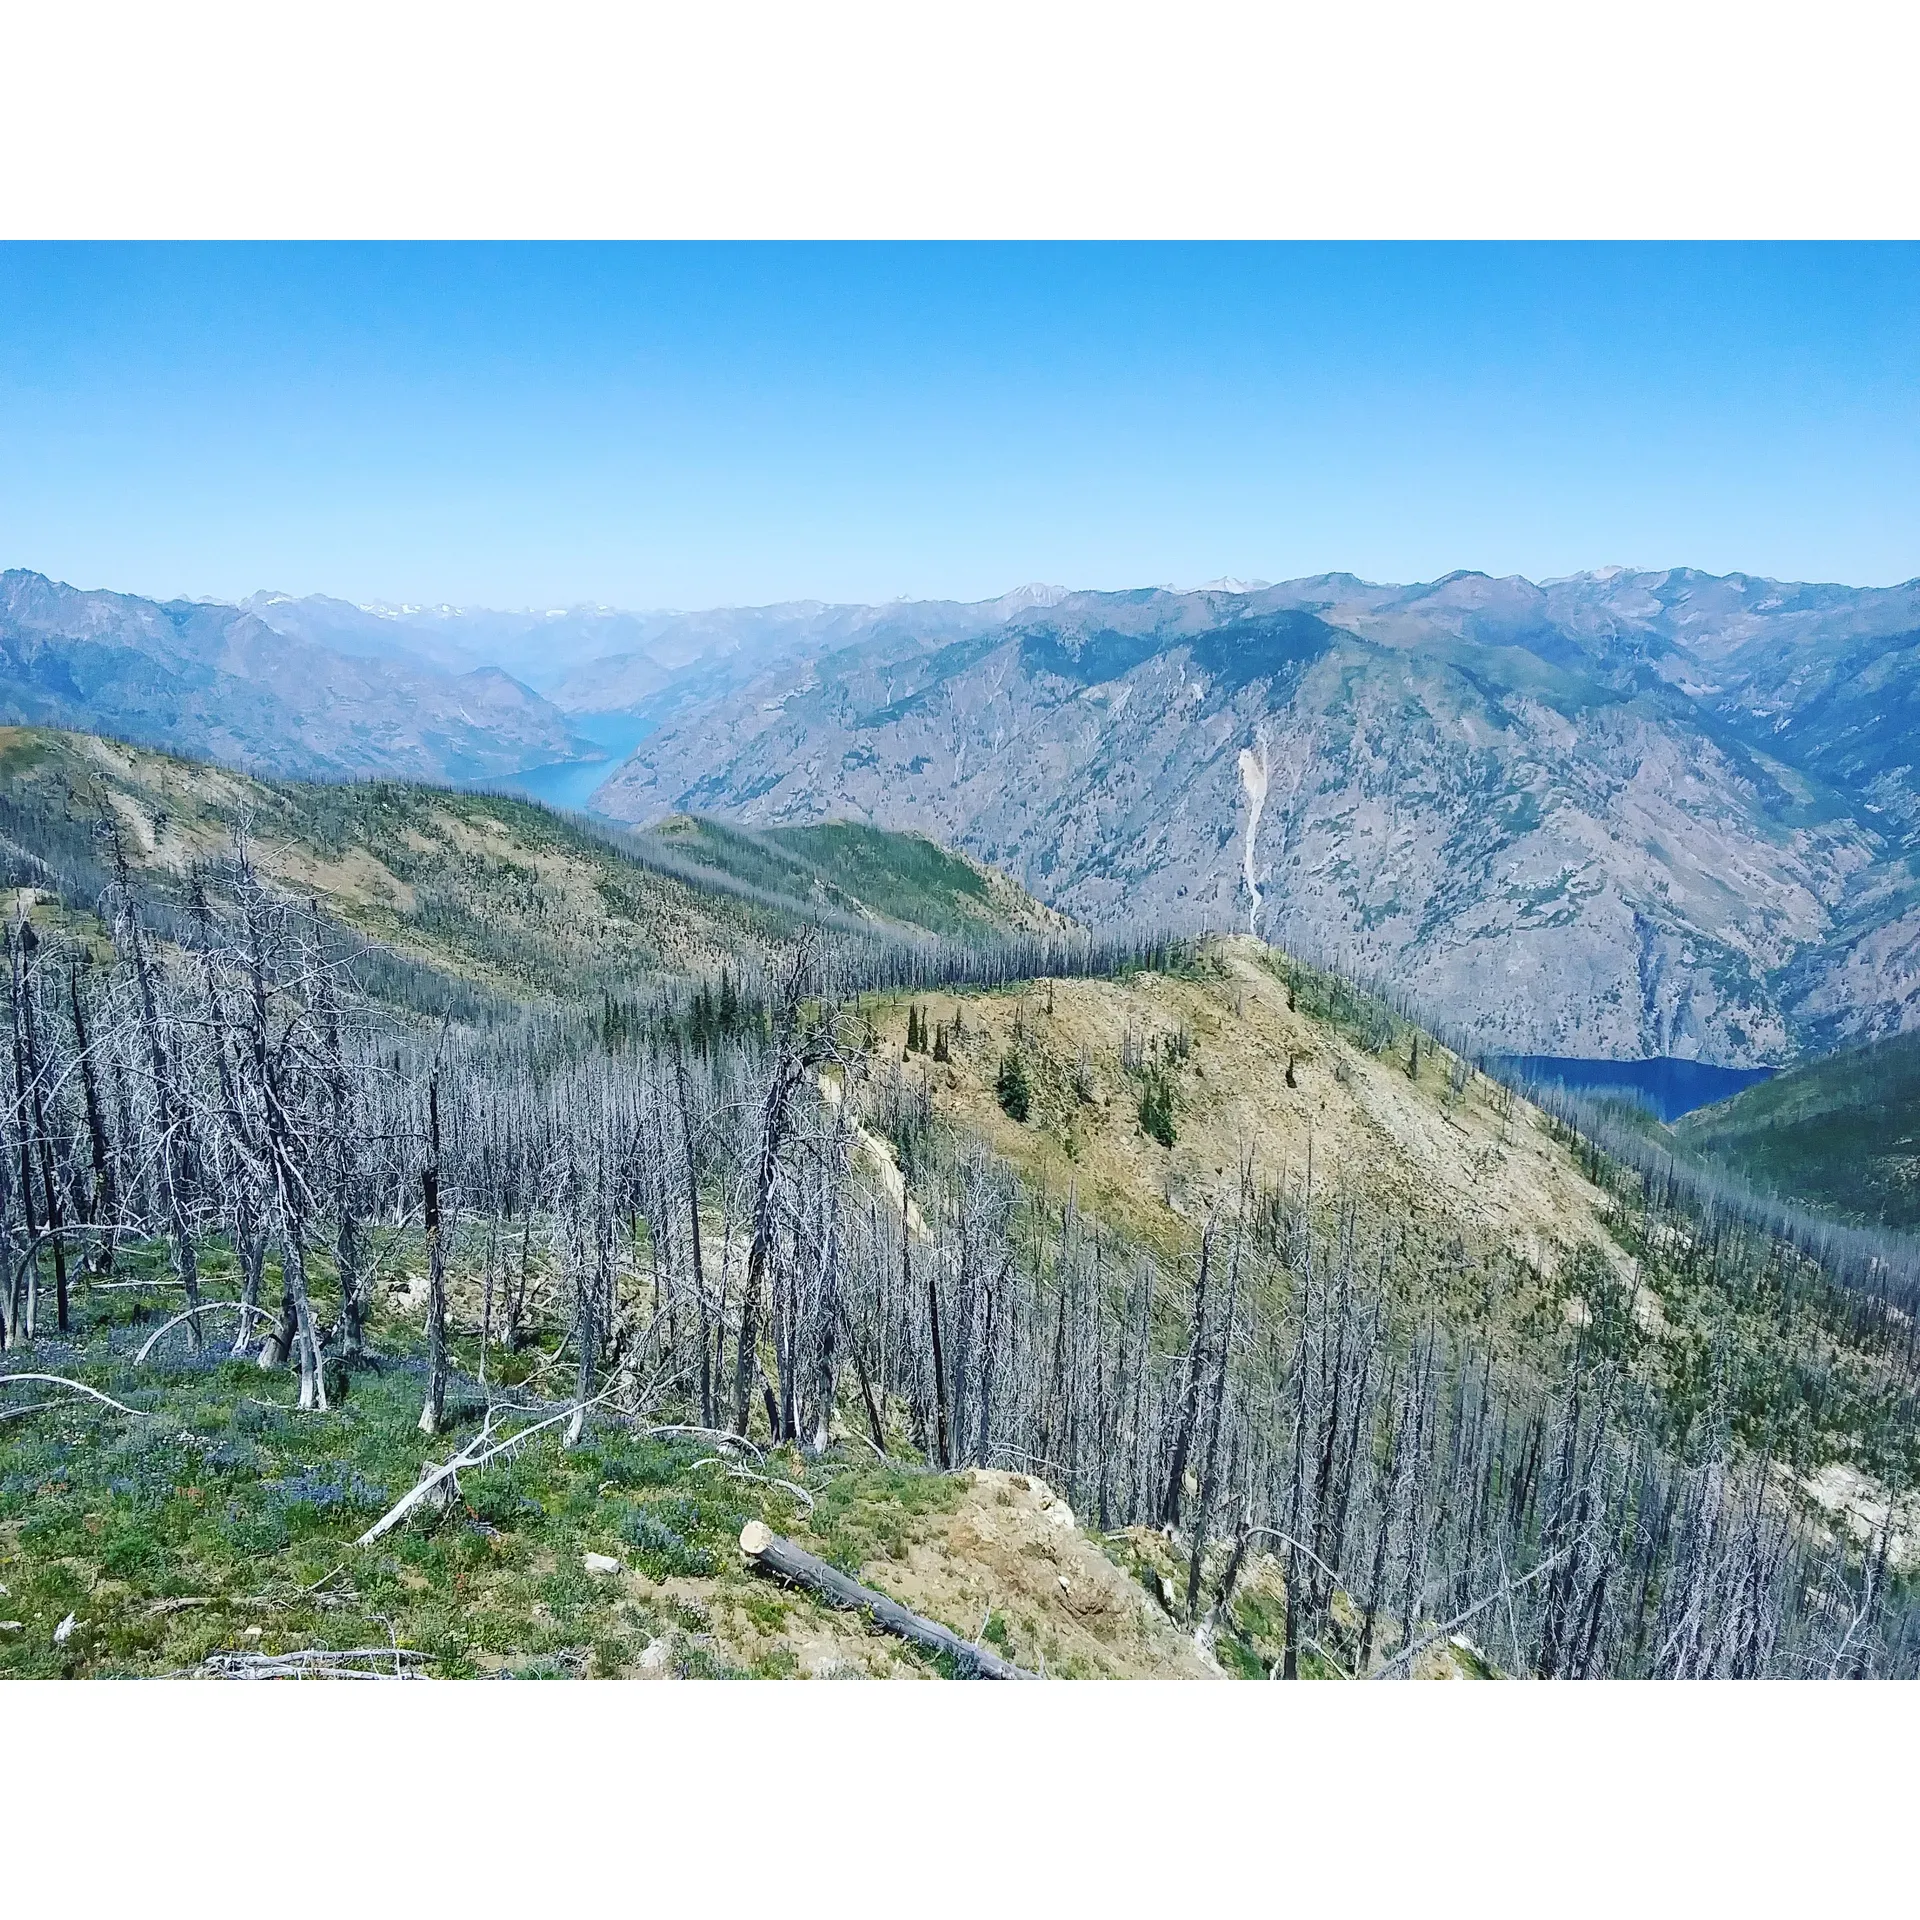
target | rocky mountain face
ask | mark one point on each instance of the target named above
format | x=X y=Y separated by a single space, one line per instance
x=1620 y=814
x=221 y=682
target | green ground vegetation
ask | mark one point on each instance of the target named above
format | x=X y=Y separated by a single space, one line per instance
x=216 y=1519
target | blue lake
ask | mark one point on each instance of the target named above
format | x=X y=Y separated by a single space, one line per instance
x=1665 y=1087
x=569 y=783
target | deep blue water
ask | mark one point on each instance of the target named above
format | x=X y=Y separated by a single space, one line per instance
x=568 y=783
x=1666 y=1087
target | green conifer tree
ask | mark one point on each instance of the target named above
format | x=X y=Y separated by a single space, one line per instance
x=1012 y=1086
x=1156 y=1110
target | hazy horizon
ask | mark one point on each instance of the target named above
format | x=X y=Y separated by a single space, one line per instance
x=644 y=426
x=1230 y=582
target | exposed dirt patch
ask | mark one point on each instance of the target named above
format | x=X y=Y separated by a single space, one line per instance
x=1005 y=1563
x=1857 y=1504
x=354 y=879
x=1011 y=1563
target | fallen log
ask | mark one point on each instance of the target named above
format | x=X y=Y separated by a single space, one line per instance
x=206 y=1306
x=768 y=1551
x=476 y=1453
x=314 y=1663
x=74 y=1386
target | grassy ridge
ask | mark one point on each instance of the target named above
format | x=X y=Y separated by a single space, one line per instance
x=902 y=879
x=485 y=888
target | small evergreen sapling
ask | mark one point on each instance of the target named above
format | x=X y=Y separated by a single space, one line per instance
x=1013 y=1087
x=1156 y=1110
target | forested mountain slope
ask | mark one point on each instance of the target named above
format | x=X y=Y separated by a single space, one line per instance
x=1666 y=799
x=486 y=887
x=899 y=879
x=1840 y=1134
x=218 y=681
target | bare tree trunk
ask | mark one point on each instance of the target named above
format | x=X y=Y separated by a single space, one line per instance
x=765 y=1548
x=586 y=1331
x=433 y=1413
x=945 y=1451
x=697 y=1266
x=348 y=1244
x=37 y=1069
x=277 y=1348
x=10 y=1276
x=1190 y=1396
x=103 y=1201
x=788 y=1066
x=986 y=1362
x=293 y=1261
x=1203 y=1520
x=866 y=1387
x=1376 y=1582
x=23 y=1318
x=486 y=1301
x=517 y=1298
x=288 y=1196
x=175 y=1144
x=252 y=1252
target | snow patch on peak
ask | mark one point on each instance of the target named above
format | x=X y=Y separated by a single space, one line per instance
x=1600 y=576
x=1036 y=593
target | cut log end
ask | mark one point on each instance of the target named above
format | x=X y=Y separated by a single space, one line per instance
x=785 y=1561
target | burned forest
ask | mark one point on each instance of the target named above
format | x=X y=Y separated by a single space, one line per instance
x=338 y=1295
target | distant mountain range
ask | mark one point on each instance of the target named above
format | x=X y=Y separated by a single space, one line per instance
x=315 y=686
x=606 y=660
x=1620 y=814
x=225 y=683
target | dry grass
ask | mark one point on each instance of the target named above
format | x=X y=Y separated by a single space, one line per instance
x=1476 y=1166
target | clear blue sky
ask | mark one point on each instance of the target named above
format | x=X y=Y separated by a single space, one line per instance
x=670 y=426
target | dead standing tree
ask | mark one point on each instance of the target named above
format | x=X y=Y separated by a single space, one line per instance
x=797 y=1050
x=434 y=1412
x=1304 y=1395
x=283 y=1054
x=174 y=1156
x=241 y=1173
x=31 y=1065
x=102 y=1204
